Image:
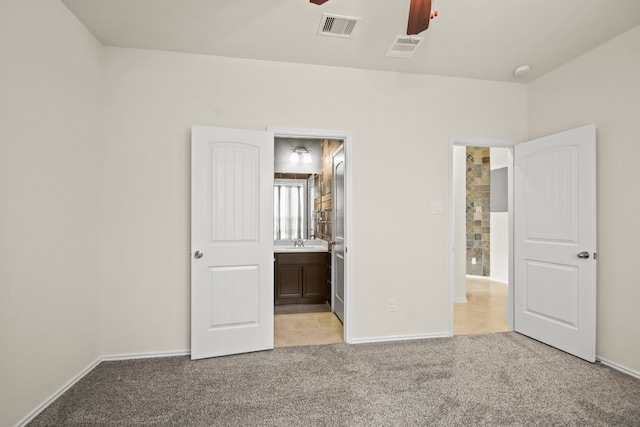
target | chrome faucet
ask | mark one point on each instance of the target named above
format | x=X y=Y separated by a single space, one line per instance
x=298 y=243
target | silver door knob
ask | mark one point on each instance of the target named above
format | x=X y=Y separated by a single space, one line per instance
x=198 y=254
x=583 y=255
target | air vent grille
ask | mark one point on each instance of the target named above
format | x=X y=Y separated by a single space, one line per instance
x=404 y=46
x=339 y=26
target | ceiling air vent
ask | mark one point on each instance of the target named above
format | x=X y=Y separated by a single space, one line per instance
x=404 y=46
x=334 y=25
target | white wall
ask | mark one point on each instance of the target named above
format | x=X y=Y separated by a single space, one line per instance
x=499 y=247
x=94 y=225
x=603 y=87
x=94 y=244
x=399 y=158
x=499 y=225
x=499 y=157
x=95 y=188
x=459 y=172
x=50 y=96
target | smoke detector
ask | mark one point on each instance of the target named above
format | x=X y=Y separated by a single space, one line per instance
x=404 y=46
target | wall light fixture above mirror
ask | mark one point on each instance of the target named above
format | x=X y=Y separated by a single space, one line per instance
x=300 y=154
x=289 y=149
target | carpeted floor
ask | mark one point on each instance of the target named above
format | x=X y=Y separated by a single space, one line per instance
x=498 y=379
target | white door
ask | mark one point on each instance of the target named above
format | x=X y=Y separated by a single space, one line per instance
x=555 y=240
x=231 y=241
x=338 y=249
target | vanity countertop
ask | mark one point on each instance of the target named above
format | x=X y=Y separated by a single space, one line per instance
x=287 y=246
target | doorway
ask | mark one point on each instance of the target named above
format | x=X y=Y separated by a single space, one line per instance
x=317 y=322
x=480 y=230
x=552 y=232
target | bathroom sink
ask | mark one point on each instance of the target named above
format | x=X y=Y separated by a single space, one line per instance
x=299 y=249
x=311 y=245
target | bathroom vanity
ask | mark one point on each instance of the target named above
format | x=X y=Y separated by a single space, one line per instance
x=300 y=274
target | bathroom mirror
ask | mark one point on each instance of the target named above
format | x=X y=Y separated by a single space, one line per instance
x=292 y=209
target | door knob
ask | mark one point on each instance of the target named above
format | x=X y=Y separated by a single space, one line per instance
x=199 y=254
x=333 y=242
x=583 y=255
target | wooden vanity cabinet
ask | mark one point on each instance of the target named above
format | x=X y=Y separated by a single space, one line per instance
x=301 y=278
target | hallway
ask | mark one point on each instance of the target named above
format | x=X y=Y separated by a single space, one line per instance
x=485 y=310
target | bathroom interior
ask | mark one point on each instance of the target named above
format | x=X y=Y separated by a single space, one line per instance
x=482 y=197
x=308 y=296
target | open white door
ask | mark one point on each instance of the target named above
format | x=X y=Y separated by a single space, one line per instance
x=231 y=241
x=338 y=249
x=555 y=240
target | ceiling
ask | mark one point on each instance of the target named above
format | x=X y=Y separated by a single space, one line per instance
x=481 y=39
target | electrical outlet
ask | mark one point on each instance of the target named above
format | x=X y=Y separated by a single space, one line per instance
x=392 y=304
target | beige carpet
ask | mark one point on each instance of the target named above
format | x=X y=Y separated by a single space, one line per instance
x=500 y=379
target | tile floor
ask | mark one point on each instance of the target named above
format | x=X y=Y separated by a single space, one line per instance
x=485 y=310
x=306 y=325
x=301 y=308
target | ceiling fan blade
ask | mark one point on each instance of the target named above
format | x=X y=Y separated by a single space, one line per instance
x=419 y=16
x=318 y=2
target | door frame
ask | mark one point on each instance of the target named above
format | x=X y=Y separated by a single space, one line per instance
x=479 y=142
x=346 y=137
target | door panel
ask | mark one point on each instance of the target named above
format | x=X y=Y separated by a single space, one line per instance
x=338 y=248
x=290 y=280
x=237 y=284
x=555 y=220
x=231 y=231
x=235 y=192
x=315 y=281
x=555 y=294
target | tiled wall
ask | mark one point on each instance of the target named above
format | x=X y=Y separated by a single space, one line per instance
x=478 y=210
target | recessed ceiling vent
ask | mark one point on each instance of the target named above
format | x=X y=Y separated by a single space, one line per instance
x=404 y=46
x=334 y=25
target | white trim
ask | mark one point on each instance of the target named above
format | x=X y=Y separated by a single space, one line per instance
x=399 y=338
x=347 y=139
x=149 y=355
x=44 y=405
x=618 y=367
x=460 y=300
x=478 y=142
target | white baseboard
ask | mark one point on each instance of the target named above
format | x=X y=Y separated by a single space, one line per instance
x=90 y=368
x=618 y=367
x=59 y=393
x=460 y=300
x=399 y=338
x=150 y=355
